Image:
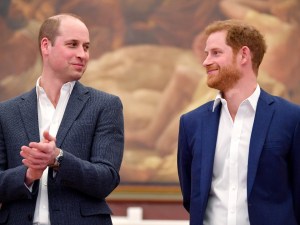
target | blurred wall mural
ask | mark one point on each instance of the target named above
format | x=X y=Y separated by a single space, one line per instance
x=142 y=51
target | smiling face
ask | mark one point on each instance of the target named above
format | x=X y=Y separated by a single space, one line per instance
x=66 y=59
x=220 y=63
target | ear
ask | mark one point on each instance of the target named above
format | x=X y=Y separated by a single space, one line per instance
x=245 y=55
x=45 y=44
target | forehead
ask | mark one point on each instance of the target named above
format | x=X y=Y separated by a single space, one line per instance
x=216 y=40
x=74 y=29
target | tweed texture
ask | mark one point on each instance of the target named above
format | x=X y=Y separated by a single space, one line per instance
x=91 y=135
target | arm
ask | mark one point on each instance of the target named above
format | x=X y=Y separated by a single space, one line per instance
x=184 y=162
x=93 y=154
x=12 y=185
x=295 y=168
x=12 y=172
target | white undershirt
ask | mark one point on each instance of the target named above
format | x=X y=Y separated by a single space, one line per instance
x=227 y=203
x=49 y=119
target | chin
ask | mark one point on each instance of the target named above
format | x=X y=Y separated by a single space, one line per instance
x=77 y=76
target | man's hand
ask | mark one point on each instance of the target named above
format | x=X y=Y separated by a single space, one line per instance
x=37 y=156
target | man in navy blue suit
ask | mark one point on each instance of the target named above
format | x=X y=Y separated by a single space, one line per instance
x=61 y=144
x=239 y=155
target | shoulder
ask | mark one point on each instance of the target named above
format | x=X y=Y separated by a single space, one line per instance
x=97 y=96
x=278 y=102
x=282 y=106
x=15 y=101
x=195 y=117
x=201 y=110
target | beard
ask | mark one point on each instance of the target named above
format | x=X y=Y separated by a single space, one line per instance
x=225 y=79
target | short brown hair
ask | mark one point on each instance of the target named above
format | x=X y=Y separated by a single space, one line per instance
x=240 y=34
x=50 y=26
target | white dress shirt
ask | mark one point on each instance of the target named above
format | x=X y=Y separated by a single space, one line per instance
x=227 y=203
x=49 y=120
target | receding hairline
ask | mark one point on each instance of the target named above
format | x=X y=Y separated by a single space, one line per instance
x=65 y=16
x=51 y=26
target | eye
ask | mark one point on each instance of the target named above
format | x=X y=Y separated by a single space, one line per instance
x=72 y=44
x=86 y=47
x=215 y=52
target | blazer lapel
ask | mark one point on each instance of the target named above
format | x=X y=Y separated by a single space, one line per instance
x=29 y=115
x=77 y=100
x=263 y=117
x=210 y=130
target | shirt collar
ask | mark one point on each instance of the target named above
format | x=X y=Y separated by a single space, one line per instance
x=252 y=99
x=67 y=86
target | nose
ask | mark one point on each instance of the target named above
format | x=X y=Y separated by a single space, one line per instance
x=82 y=53
x=206 y=61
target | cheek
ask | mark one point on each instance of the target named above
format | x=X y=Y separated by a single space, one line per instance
x=58 y=61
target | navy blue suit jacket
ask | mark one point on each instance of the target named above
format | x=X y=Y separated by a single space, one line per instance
x=91 y=135
x=273 y=179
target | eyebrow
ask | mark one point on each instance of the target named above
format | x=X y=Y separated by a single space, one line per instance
x=76 y=40
x=213 y=49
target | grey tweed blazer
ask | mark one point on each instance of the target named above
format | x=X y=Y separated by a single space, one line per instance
x=92 y=137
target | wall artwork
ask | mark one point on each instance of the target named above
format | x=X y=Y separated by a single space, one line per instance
x=143 y=52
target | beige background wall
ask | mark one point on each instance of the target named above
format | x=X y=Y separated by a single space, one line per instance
x=142 y=51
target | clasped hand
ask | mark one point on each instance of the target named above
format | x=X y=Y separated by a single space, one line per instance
x=37 y=156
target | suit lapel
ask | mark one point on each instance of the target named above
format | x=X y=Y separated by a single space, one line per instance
x=75 y=105
x=29 y=115
x=263 y=117
x=210 y=130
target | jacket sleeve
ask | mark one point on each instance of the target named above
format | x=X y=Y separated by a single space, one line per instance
x=92 y=167
x=184 y=161
x=12 y=185
x=295 y=158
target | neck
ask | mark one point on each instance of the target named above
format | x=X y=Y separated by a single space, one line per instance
x=236 y=95
x=52 y=88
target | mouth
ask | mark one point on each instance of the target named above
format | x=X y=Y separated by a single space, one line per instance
x=78 y=66
x=211 y=71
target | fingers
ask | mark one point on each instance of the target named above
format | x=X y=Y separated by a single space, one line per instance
x=45 y=146
x=33 y=158
x=41 y=146
x=38 y=155
x=48 y=137
x=34 y=165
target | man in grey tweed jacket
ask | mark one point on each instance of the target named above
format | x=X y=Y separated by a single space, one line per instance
x=61 y=144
